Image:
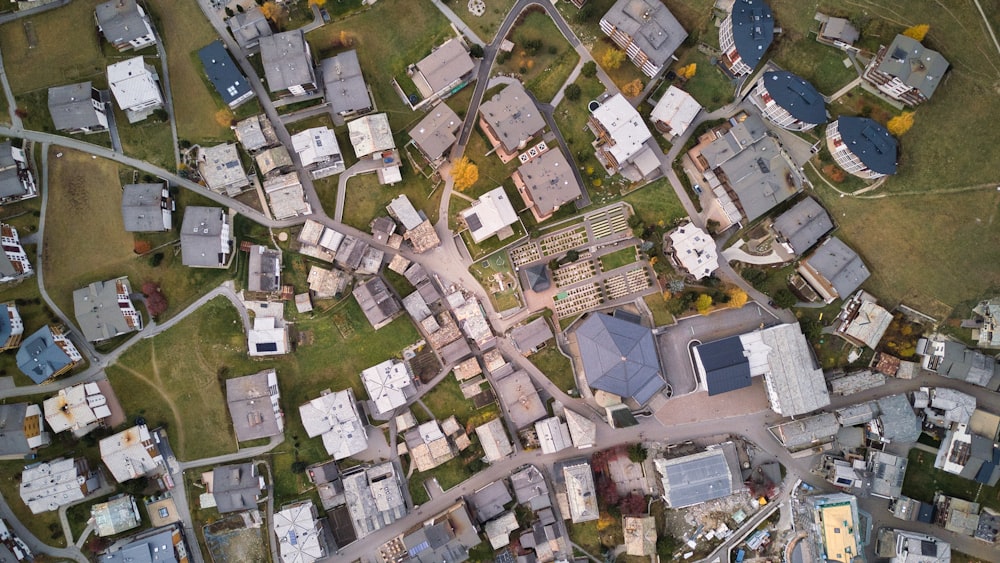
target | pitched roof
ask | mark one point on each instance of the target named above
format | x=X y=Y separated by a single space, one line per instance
x=550 y=181
x=435 y=133
x=223 y=73
x=513 y=116
x=142 y=209
x=753 y=29
x=489 y=501
x=840 y=265
x=335 y=417
x=100 y=312
x=677 y=109
x=133 y=84
x=623 y=124
x=389 y=384
x=761 y=177
x=650 y=26
x=899 y=422
x=913 y=64
x=286 y=60
x=700 y=477
x=582 y=430
x=796 y=95
x=493 y=437
x=580 y=493
x=538 y=277
x=520 y=399
x=264 y=269
x=529 y=336
x=346 y=91
x=804 y=224
x=72 y=107
x=249 y=26
x=489 y=214
x=235 y=487
x=619 y=357
x=870 y=142
x=725 y=366
x=376 y=302
x=39 y=356
x=121 y=21
x=445 y=65
x=370 y=134
x=300 y=535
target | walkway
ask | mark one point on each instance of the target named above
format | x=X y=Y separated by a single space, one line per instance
x=363 y=166
x=457 y=21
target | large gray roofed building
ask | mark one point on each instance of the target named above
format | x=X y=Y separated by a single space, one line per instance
x=700 y=477
x=803 y=225
x=619 y=357
x=726 y=367
x=72 y=108
x=104 y=310
x=512 y=117
x=146 y=208
x=236 y=487
x=287 y=61
x=224 y=74
x=839 y=265
x=761 y=177
x=899 y=423
x=205 y=237
x=913 y=64
x=549 y=181
x=646 y=30
x=346 y=91
x=249 y=26
x=122 y=22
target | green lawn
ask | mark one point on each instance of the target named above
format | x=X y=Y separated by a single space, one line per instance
x=622 y=75
x=504 y=295
x=923 y=480
x=709 y=86
x=619 y=258
x=658 y=306
x=366 y=198
x=486 y=25
x=822 y=65
x=555 y=366
x=541 y=57
x=571 y=119
x=148 y=140
x=492 y=172
x=446 y=399
x=656 y=203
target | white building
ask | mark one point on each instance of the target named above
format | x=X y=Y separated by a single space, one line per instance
x=490 y=215
x=79 y=408
x=132 y=453
x=48 y=485
x=268 y=337
x=493 y=437
x=334 y=416
x=136 y=88
x=370 y=134
x=553 y=435
x=14 y=262
x=318 y=146
x=621 y=137
x=674 y=112
x=300 y=534
x=693 y=250
x=389 y=385
x=580 y=493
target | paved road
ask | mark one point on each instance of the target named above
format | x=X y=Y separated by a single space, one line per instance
x=168 y=96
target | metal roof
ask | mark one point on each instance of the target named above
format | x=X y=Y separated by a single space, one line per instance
x=753 y=29
x=726 y=367
x=913 y=64
x=840 y=265
x=699 y=477
x=39 y=356
x=620 y=357
x=804 y=224
x=796 y=95
x=650 y=27
x=223 y=73
x=870 y=142
x=346 y=91
x=72 y=107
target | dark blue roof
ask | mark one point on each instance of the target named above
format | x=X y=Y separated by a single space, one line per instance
x=39 y=357
x=753 y=29
x=538 y=277
x=926 y=513
x=987 y=469
x=229 y=82
x=619 y=357
x=797 y=96
x=726 y=367
x=870 y=142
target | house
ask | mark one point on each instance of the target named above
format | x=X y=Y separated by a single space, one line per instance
x=428 y=446
x=582 y=430
x=809 y=432
x=887 y=473
x=970 y=456
x=789 y=101
x=275 y=159
x=546 y=183
x=491 y=214
x=647 y=32
x=493 y=437
x=77 y=108
x=945 y=407
x=14 y=264
x=248 y=27
x=906 y=70
x=124 y=24
x=132 y=453
x=520 y=399
x=255 y=132
x=370 y=134
x=223 y=73
x=47 y=354
x=23 y=429
x=443 y=72
x=490 y=501
x=510 y=120
x=530 y=337
x=435 y=134
x=288 y=64
x=444 y=538
x=317 y=147
x=335 y=417
x=621 y=137
x=802 y=226
x=147 y=208
x=254 y=405
x=374 y=497
x=473 y=323
x=862 y=147
x=11 y=326
x=838 y=528
x=838 y=32
x=580 y=493
x=268 y=337
x=79 y=408
x=205 y=237
x=833 y=270
x=692 y=249
x=986 y=323
x=136 y=88
x=619 y=357
x=300 y=534
x=16 y=180
x=553 y=435
x=674 y=112
x=640 y=535
x=263 y=269
x=327 y=284
x=47 y=485
x=416 y=228
x=701 y=477
x=378 y=304
x=954 y=361
x=286 y=196
x=104 y=310
x=116 y=515
x=913 y=547
x=499 y=529
x=159 y=545
x=745 y=35
x=235 y=487
x=346 y=91
x=222 y=169
x=389 y=385
x=530 y=488
x=861 y=321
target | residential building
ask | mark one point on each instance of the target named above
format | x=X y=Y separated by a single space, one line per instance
x=802 y=226
x=225 y=75
x=255 y=132
x=136 y=88
x=16 y=180
x=370 y=134
x=132 y=453
x=235 y=488
x=499 y=529
x=621 y=137
x=159 y=545
x=444 y=538
x=914 y=547
x=701 y=477
x=374 y=497
x=553 y=435
x=389 y=385
x=674 y=112
x=838 y=32
x=862 y=147
x=335 y=417
x=954 y=361
x=582 y=430
x=205 y=237
x=288 y=64
x=275 y=159
x=647 y=32
x=317 y=147
x=346 y=91
x=970 y=456
x=443 y=72
x=428 y=446
x=838 y=529
x=300 y=535
x=619 y=357
x=640 y=535
x=789 y=101
x=268 y=337
x=531 y=337
x=434 y=135
x=286 y=197
x=745 y=35
x=887 y=472
x=493 y=437
x=47 y=354
x=47 y=485
x=104 y=310
x=833 y=270
x=520 y=399
x=14 y=263
x=809 y=432
x=401 y=209
x=473 y=323
x=986 y=323
x=530 y=488
x=23 y=429
x=79 y=408
x=906 y=70
x=546 y=183
x=897 y=423
x=946 y=408
x=510 y=120
x=11 y=326
x=692 y=249
x=248 y=27
x=77 y=108
x=147 y=208
x=490 y=501
x=116 y=515
x=222 y=169
x=255 y=406
x=124 y=24
x=263 y=269
x=580 y=493
x=861 y=321
x=378 y=304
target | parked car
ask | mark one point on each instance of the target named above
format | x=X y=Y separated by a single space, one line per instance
x=697 y=189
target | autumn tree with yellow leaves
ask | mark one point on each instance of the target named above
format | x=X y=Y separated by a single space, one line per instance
x=703 y=303
x=317 y=3
x=917 y=32
x=613 y=59
x=632 y=89
x=465 y=173
x=901 y=123
x=687 y=72
x=737 y=297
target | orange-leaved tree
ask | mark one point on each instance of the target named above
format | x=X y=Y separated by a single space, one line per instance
x=917 y=32
x=613 y=58
x=901 y=123
x=465 y=173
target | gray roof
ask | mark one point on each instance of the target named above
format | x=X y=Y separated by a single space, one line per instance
x=888 y=471
x=346 y=90
x=120 y=21
x=12 y=438
x=39 y=357
x=550 y=181
x=753 y=29
x=726 y=366
x=248 y=27
x=840 y=29
x=804 y=432
x=899 y=422
x=840 y=265
x=513 y=116
x=651 y=27
x=803 y=225
x=531 y=335
x=538 y=277
x=72 y=107
x=148 y=549
x=201 y=236
x=530 y=488
x=796 y=95
x=97 y=310
x=519 y=398
x=870 y=142
x=700 y=477
x=141 y=208
x=738 y=137
x=446 y=64
x=376 y=301
x=10 y=180
x=249 y=400
x=489 y=501
x=967 y=364
x=286 y=60
x=235 y=487
x=915 y=65
x=435 y=133
x=264 y=269
x=761 y=177
x=619 y=357
x=223 y=73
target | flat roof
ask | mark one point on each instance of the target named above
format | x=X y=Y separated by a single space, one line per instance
x=839 y=536
x=650 y=26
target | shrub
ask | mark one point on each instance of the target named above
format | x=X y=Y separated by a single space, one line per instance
x=589 y=69
x=572 y=92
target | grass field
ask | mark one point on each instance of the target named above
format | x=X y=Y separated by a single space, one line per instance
x=492 y=172
x=618 y=258
x=148 y=140
x=923 y=480
x=656 y=203
x=622 y=75
x=709 y=86
x=658 y=306
x=366 y=198
x=543 y=68
x=502 y=298
x=820 y=64
x=555 y=366
x=571 y=119
x=486 y=25
x=446 y=399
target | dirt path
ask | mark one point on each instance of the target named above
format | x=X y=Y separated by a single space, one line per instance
x=157 y=385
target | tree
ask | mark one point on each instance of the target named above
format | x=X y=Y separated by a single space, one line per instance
x=271 y=11
x=784 y=298
x=317 y=3
x=224 y=117
x=633 y=505
x=703 y=303
x=160 y=115
x=613 y=58
x=917 y=32
x=901 y=123
x=156 y=302
x=632 y=89
x=737 y=298
x=229 y=12
x=572 y=92
x=476 y=50
x=687 y=72
x=465 y=173
x=589 y=69
x=636 y=453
